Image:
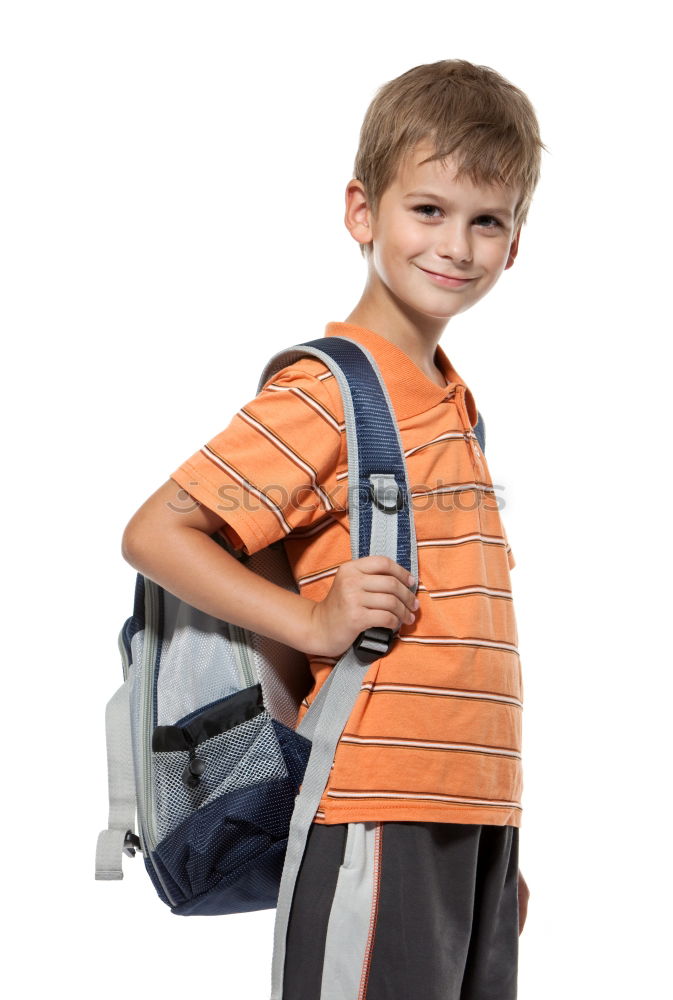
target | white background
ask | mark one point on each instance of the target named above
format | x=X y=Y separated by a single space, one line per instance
x=172 y=198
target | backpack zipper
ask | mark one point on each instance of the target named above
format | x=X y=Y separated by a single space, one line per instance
x=146 y=815
x=147 y=721
x=242 y=651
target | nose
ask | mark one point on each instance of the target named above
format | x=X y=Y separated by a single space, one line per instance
x=454 y=242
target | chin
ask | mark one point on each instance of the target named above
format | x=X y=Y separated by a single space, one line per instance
x=436 y=313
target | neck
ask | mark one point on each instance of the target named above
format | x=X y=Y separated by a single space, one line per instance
x=415 y=334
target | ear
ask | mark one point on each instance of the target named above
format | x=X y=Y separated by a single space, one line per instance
x=513 y=250
x=358 y=214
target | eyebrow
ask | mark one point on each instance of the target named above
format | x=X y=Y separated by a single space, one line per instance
x=500 y=210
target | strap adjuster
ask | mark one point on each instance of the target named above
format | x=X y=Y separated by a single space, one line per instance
x=387 y=497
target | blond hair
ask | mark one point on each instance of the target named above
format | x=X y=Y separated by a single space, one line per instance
x=469 y=112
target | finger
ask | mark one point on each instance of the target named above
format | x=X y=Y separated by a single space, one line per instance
x=389 y=585
x=388 y=566
x=388 y=602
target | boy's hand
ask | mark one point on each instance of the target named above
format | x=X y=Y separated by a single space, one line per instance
x=524 y=893
x=367 y=592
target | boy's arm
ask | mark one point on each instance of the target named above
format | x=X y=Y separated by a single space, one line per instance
x=172 y=547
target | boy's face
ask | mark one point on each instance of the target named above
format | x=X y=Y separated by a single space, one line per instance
x=427 y=222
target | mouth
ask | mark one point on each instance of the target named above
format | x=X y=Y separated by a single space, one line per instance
x=446 y=279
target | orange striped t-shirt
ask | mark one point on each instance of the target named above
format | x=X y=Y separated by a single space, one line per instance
x=435 y=732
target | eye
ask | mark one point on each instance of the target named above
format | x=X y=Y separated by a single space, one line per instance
x=486 y=221
x=421 y=210
x=492 y=218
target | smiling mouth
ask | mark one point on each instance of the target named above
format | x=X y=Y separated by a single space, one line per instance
x=452 y=277
x=446 y=279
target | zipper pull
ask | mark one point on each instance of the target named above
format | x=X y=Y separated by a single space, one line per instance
x=192 y=774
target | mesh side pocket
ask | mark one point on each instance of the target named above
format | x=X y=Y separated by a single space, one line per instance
x=245 y=755
x=227 y=856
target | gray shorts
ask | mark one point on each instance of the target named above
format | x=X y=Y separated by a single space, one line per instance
x=399 y=911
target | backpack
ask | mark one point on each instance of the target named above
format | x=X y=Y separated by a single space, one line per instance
x=200 y=735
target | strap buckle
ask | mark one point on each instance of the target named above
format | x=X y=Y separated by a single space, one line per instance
x=373 y=643
x=131 y=844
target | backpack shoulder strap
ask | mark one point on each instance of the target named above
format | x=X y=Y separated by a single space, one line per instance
x=381 y=521
x=374 y=445
x=480 y=431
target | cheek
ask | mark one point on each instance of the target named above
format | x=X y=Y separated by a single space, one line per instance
x=392 y=248
x=496 y=253
x=406 y=241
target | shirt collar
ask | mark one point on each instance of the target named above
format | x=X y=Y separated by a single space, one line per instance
x=410 y=389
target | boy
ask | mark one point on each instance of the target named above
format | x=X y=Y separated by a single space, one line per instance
x=409 y=885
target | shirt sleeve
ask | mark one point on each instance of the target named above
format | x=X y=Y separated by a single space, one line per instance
x=274 y=468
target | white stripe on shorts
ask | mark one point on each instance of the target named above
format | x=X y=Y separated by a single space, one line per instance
x=352 y=920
